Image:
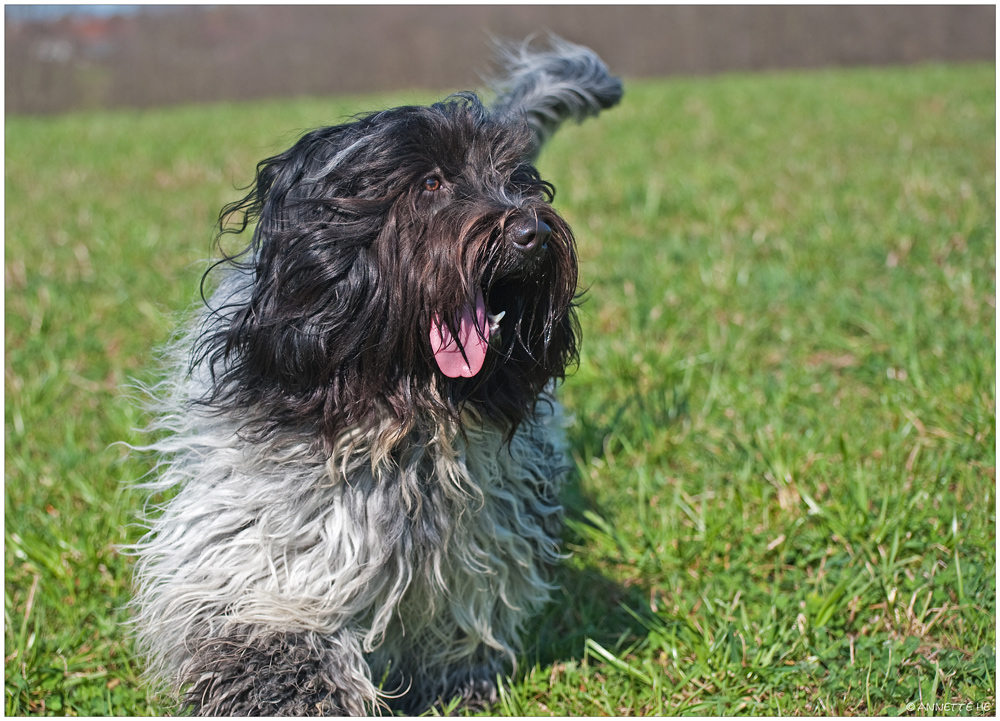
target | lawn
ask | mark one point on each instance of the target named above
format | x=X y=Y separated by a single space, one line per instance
x=784 y=414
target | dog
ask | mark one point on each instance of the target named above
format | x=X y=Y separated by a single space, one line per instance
x=355 y=504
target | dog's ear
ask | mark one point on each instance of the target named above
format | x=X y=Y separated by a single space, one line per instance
x=299 y=321
x=547 y=87
x=286 y=185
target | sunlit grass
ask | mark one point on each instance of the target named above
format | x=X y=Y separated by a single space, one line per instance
x=784 y=414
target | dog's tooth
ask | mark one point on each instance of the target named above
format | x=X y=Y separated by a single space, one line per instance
x=495 y=328
x=495 y=319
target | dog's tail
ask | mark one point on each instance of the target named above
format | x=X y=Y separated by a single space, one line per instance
x=550 y=86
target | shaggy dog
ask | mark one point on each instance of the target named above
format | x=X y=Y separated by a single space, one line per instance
x=360 y=456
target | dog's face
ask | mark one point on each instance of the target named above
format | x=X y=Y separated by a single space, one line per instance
x=407 y=263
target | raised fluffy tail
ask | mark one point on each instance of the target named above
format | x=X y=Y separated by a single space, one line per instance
x=550 y=86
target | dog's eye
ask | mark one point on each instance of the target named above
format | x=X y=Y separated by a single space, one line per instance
x=432 y=183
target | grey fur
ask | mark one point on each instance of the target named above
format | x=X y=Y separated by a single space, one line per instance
x=278 y=579
x=418 y=568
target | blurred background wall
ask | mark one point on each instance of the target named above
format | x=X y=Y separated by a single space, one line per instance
x=61 y=58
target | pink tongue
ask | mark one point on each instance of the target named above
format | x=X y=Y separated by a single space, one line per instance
x=474 y=335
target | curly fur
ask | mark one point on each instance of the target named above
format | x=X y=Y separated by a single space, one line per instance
x=338 y=524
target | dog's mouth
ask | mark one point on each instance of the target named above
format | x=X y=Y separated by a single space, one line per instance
x=517 y=256
x=464 y=357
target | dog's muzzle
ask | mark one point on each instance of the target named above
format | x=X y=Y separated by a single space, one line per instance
x=527 y=240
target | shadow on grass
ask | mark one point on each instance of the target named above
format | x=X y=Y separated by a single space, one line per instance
x=586 y=605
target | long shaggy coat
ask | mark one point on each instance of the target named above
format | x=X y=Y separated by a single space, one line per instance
x=356 y=499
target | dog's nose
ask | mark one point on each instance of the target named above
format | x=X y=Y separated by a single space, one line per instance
x=529 y=234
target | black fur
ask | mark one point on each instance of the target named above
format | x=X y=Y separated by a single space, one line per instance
x=279 y=674
x=351 y=257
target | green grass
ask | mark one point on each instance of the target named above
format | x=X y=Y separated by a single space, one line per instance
x=784 y=412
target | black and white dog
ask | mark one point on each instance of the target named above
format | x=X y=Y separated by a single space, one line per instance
x=356 y=504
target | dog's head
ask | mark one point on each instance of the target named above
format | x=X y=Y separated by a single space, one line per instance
x=408 y=261
x=403 y=264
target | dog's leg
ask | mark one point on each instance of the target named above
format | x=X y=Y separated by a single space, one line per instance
x=251 y=672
